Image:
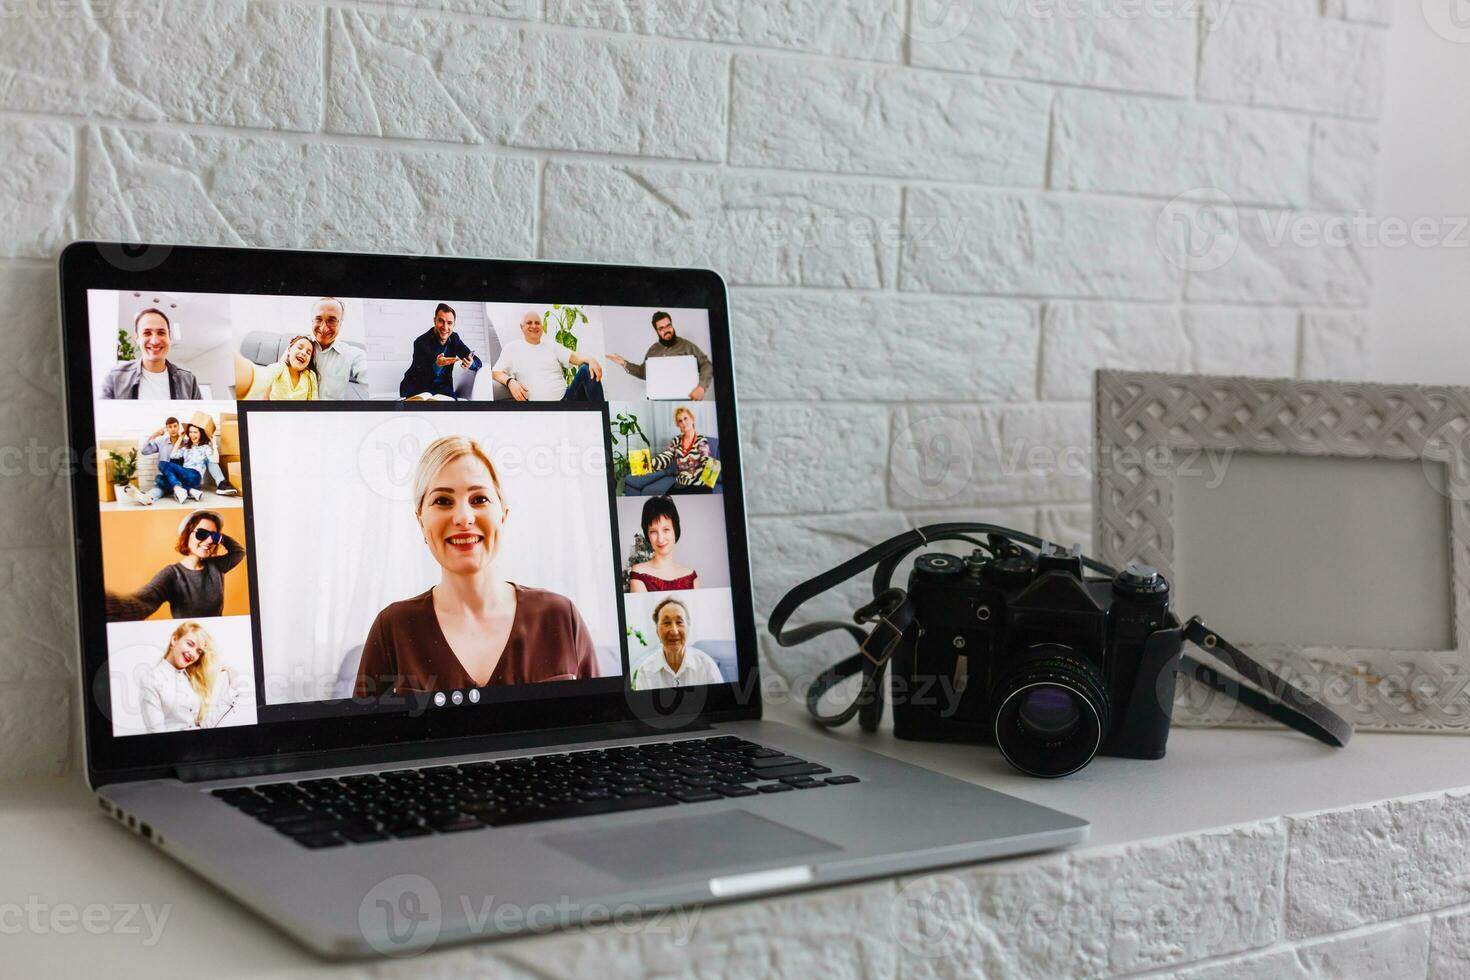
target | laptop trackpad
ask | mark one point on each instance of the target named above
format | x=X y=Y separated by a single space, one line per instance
x=680 y=845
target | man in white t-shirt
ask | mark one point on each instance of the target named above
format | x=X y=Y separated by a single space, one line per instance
x=151 y=376
x=531 y=368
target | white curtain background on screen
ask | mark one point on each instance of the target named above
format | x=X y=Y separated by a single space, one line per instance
x=336 y=540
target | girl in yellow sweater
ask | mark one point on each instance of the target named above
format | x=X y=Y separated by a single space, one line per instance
x=293 y=377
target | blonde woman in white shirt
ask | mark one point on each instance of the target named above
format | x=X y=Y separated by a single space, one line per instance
x=678 y=664
x=188 y=688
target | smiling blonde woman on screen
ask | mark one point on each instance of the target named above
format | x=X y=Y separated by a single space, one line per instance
x=473 y=629
x=187 y=688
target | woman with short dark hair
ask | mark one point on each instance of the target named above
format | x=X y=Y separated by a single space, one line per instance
x=661 y=573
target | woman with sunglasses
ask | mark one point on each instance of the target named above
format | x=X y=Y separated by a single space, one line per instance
x=193 y=586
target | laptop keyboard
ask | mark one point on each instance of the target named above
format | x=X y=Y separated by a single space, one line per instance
x=362 y=809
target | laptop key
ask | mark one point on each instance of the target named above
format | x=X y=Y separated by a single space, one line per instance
x=775 y=788
x=318 y=841
x=561 y=811
x=455 y=825
x=775 y=761
x=841 y=780
x=804 y=769
x=734 y=789
x=696 y=796
x=310 y=825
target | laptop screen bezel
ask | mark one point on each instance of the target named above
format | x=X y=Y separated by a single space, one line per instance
x=196 y=269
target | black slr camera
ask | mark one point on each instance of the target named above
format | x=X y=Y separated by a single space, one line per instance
x=1020 y=648
x=1026 y=652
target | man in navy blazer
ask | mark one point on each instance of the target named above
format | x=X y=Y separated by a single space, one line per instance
x=435 y=353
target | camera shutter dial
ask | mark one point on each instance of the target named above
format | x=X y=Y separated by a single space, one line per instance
x=1010 y=573
x=1142 y=583
x=938 y=567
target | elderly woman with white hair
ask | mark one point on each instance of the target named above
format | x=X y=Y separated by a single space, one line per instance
x=678 y=664
x=473 y=629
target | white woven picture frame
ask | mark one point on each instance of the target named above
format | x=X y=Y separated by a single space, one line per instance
x=1169 y=417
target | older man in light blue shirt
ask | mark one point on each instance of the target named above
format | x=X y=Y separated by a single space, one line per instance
x=341 y=369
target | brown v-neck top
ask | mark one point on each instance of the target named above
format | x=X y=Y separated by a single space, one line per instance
x=406 y=651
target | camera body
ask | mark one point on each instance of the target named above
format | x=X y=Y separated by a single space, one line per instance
x=1027 y=653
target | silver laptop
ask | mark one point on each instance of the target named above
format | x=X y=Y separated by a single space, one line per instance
x=409 y=616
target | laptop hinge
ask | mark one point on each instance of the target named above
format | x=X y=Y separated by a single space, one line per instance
x=374 y=755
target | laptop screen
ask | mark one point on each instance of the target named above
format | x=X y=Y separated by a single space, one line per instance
x=314 y=505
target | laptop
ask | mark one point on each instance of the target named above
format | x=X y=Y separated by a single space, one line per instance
x=403 y=673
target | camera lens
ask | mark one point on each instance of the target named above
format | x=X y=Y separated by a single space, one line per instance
x=1051 y=711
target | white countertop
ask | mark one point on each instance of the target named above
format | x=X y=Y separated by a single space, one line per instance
x=56 y=848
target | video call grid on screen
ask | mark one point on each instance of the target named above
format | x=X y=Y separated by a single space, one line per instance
x=234 y=349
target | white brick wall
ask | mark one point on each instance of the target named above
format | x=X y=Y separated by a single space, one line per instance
x=935 y=218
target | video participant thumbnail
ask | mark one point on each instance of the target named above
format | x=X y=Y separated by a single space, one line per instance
x=681 y=639
x=670 y=544
x=440 y=548
x=180 y=675
x=662 y=448
x=658 y=354
x=167 y=454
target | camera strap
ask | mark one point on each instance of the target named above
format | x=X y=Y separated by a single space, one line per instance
x=1285 y=703
x=890 y=621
